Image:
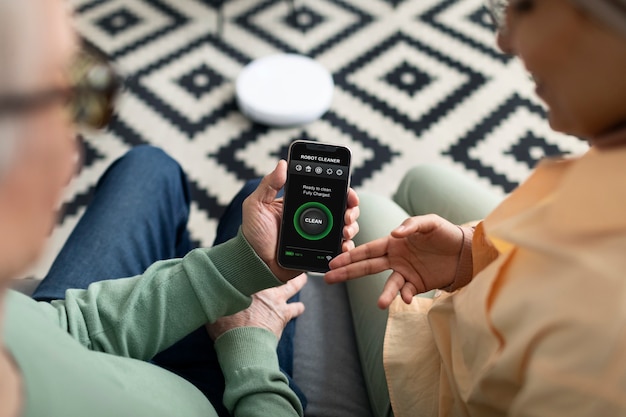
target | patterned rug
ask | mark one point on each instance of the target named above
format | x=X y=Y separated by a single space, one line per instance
x=416 y=81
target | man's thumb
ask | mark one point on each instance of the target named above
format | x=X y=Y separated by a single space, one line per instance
x=272 y=183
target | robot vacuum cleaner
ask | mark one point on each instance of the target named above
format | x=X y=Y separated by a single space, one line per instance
x=284 y=90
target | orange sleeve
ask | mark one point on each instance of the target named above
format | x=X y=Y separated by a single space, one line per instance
x=483 y=251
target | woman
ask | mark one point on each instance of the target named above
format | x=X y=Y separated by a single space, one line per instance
x=531 y=319
x=91 y=352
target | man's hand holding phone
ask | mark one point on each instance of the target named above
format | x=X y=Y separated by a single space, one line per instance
x=315 y=203
x=262 y=216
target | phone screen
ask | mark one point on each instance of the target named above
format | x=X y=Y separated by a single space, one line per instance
x=318 y=177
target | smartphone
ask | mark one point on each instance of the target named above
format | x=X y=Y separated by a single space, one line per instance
x=315 y=199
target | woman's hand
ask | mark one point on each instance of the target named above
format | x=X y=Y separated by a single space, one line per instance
x=269 y=310
x=423 y=253
x=262 y=213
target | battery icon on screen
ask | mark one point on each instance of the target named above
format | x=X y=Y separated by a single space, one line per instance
x=289 y=253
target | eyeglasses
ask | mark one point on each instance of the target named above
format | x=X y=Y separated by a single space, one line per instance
x=497 y=12
x=90 y=98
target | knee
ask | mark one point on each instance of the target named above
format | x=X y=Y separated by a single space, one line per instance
x=147 y=157
x=444 y=191
x=422 y=177
x=425 y=182
x=147 y=164
x=152 y=162
x=379 y=216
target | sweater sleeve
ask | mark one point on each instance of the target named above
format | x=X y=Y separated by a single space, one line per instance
x=140 y=316
x=255 y=386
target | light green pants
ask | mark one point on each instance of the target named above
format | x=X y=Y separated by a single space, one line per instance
x=425 y=189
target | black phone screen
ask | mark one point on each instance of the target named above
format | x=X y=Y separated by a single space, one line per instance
x=315 y=202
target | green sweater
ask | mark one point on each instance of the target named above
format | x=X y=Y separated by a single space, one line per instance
x=86 y=355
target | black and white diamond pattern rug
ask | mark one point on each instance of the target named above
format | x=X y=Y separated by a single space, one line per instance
x=416 y=81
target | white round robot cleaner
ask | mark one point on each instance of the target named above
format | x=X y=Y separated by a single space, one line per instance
x=284 y=90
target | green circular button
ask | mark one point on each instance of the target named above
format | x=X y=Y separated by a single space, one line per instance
x=313 y=221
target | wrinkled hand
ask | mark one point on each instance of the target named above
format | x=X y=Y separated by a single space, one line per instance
x=423 y=253
x=262 y=213
x=269 y=310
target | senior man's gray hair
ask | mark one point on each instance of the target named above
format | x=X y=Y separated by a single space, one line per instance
x=21 y=28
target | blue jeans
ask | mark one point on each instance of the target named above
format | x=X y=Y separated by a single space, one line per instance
x=138 y=216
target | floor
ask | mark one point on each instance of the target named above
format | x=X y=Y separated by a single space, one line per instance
x=416 y=81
